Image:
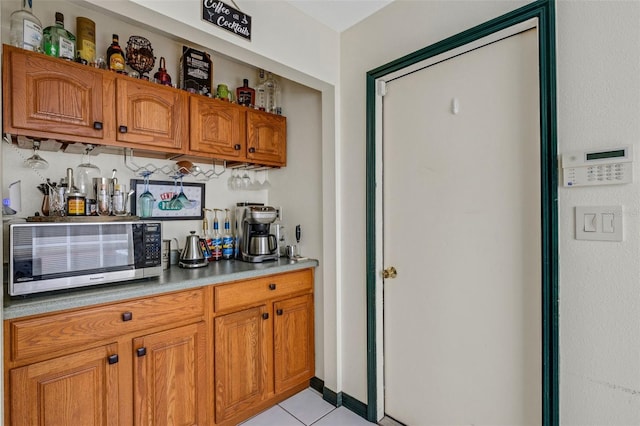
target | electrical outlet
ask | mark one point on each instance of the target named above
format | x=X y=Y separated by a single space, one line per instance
x=279 y=214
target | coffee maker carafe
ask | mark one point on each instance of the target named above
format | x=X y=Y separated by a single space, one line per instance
x=255 y=241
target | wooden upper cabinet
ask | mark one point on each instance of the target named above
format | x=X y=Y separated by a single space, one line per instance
x=217 y=128
x=49 y=97
x=266 y=138
x=150 y=115
x=78 y=389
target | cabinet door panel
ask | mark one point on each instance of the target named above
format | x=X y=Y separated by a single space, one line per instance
x=293 y=342
x=240 y=361
x=151 y=115
x=53 y=96
x=217 y=128
x=78 y=389
x=266 y=138
x=170 y=377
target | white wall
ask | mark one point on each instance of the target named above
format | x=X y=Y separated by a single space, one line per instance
x=598 y=105
x=297 y=188
x=396 y=30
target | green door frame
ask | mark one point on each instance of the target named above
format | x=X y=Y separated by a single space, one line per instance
x=544 y=11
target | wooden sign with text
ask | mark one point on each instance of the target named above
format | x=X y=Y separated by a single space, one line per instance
x=226 y=17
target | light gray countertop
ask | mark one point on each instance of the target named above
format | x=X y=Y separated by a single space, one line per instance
x=174 y=278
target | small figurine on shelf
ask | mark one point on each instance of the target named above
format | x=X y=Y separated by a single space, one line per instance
x=162 y=76
x=140 y=55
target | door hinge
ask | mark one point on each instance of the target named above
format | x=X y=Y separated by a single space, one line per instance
x=382 y=87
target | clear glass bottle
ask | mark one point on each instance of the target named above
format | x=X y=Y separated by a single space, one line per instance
x=261 y=101
x=26 y=28
x=272 y=95
x=58 y=42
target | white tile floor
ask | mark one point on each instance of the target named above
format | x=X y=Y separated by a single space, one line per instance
x=306 y=408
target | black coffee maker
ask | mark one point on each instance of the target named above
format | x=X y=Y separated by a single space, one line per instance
x=255 y=241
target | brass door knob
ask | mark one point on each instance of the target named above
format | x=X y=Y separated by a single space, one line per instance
x=390 y=272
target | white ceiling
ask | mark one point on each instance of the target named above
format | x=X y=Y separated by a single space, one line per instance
x=339 y=14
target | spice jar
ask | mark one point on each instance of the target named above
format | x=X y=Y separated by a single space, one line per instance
x=75 y=204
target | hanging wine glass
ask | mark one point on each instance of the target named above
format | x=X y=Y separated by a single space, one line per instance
x=35 y=161
x=146 y=199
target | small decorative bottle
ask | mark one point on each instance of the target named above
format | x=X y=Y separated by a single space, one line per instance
x=115 y=55
x=59 y=42
x=26 y=28
x=245 y=95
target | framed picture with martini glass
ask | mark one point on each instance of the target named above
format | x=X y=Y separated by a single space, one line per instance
x=172 y=200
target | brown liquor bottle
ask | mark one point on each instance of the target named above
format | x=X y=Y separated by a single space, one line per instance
x=245 y=95
x=115 y=56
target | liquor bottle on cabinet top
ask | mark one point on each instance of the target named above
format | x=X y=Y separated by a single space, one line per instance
x=115 y=56
x=260 y=93
x=246 y=95
x=272 y=95
x=26 y=28
x=59 y=42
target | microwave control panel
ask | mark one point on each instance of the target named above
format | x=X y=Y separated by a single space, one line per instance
x=598 y=167
x=149 y=250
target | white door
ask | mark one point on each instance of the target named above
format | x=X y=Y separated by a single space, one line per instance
x=461 y=208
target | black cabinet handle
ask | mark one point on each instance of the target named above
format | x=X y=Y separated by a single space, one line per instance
x=279 y=312
x=141 y=351
x=122 y=129
x=252 y=150
x=237 y=147
x=272 y=286
x=112 y=359
x=265 y=316
x=127 y=316
x=97 y=125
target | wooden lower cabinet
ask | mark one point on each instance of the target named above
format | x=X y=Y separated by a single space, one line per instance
x=77 y=389
x=264 y=352
x=293 y=342
x=169 y=377
x=241 y=353
x=208 y=356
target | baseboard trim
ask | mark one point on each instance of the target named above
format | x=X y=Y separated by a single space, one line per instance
x=340 y=398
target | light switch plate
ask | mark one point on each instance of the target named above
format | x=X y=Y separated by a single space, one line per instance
x=599 y=223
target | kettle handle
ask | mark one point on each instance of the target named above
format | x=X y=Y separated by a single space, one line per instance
x=272 y=238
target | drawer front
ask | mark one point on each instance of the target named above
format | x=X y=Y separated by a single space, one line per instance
x=42 y=335
x=247 y=293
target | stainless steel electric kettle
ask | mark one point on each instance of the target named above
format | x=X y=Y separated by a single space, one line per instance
x=192 y=256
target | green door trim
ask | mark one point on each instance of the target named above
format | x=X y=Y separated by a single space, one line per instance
x=544 y=11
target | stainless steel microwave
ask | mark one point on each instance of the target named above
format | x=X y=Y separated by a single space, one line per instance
x=55 y=256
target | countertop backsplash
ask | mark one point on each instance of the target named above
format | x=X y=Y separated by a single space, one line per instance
x=217 y=194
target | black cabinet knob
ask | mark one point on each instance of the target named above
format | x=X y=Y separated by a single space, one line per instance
x=112 y=359
x=279 y=312
x=122 y=129
x=141 y=351
x=265 y=316
x=237 y=147
x=272 y=286
x=127 y=316
x=252 y=150
x=97 y=125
